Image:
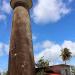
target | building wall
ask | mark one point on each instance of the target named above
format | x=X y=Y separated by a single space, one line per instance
x=55 y=70
x=62 y=69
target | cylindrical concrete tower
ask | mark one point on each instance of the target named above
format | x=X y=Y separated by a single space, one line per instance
x=21 y=60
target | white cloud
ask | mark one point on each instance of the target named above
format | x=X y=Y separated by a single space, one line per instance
x=2 y=17
x=1 y=52
x=70 y=45
x=41 y=46
x=4 y=49
x=50 y=53
x=1 y=70
x=53 y=52
x=6 y=7
x=49 y=10
x=47 y=44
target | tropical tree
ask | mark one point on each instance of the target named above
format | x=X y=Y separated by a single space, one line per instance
x=4 y=73
x=42 y=63
x=65 y=54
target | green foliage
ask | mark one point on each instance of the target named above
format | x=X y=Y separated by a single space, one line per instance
x=42 y=63
x=65 y=54
x=40 y=72
x=4 y=73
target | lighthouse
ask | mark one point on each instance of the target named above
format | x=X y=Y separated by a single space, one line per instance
x=21 y=60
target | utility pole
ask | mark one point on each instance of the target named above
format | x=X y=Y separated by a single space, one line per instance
x=21 y=60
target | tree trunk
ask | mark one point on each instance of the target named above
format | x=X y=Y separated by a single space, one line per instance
x=65 y=69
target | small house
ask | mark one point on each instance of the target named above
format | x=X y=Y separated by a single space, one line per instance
x=60 y=69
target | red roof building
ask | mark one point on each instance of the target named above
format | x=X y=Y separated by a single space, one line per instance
x=60 y=69
x=54 y=74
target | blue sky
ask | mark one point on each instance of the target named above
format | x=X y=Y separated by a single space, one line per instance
x=53 y=28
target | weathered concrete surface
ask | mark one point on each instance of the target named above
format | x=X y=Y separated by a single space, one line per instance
x=21 y=60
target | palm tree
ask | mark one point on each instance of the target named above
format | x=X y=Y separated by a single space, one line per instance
x=65 y=54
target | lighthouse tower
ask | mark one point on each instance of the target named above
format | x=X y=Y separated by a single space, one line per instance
x=21 y=60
